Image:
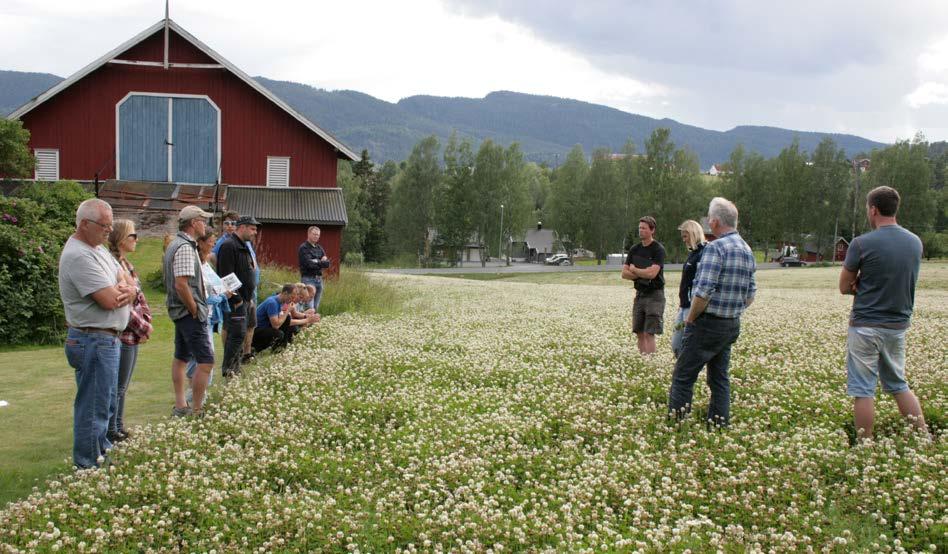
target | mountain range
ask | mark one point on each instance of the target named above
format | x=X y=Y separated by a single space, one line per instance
x=546 y=127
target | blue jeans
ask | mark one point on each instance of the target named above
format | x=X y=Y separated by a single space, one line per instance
x=318 y=283
x=128 y=355
x=95 y=357
x=679 y=332
x=707 y=341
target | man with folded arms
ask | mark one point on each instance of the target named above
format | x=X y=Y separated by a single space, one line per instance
x=881 y=270
x=96 y=296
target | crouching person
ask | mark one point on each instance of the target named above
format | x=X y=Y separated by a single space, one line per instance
x=276 y=323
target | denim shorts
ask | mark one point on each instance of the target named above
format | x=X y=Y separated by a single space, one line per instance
x=191 y=338
x=871 y=353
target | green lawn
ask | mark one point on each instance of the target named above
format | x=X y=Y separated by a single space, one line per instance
x=38 y=384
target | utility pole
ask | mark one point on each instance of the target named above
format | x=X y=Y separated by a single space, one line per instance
x=500 y=239
x=857 y=169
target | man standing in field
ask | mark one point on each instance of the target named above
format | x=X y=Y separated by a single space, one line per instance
x=644 y=266
x=96 y=297
x=235 y=257
x=881 y=270
x=723 y=288
x=313 y=261
x=187 y=307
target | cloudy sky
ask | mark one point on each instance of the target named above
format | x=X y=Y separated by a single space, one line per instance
x=878 y=69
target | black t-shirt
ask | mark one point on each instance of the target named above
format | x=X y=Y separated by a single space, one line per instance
x=644 y=257
x=688 y=272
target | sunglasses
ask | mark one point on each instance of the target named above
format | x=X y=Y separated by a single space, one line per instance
x=133 y=235
x=229 y=222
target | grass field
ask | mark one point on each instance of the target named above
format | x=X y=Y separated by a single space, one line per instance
x=512 y=415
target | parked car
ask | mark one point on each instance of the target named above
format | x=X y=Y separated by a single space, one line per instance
x=790 y=257
x=559 y=259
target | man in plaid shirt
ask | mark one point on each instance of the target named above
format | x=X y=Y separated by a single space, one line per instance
x=723 y=288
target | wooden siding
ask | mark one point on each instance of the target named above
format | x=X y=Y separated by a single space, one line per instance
x=80 y=120
x=279 y=243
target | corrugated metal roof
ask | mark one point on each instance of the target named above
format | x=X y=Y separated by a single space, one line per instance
x=314 y=206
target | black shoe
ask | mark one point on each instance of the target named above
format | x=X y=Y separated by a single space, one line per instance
x=248 y=358
x=115 y=438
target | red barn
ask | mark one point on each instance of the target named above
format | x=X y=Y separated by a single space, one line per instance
x=164 y=108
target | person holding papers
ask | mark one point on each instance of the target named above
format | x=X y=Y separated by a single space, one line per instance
x=217 y=295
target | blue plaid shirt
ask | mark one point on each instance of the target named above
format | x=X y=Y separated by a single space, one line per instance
x=726 y=276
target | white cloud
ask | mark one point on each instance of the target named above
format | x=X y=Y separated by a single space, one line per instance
x=928 y=93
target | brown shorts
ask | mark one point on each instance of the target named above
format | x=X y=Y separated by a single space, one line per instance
x=648 y=311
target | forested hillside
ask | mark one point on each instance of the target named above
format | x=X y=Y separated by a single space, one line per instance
x=546 y=127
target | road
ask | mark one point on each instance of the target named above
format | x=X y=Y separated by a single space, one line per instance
x=522 y=267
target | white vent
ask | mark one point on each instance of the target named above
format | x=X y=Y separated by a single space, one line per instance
x=278 y=172
x=47 y=164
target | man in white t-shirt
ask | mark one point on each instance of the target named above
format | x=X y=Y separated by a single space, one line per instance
x=95 y=295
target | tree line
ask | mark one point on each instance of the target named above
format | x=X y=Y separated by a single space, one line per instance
x=438 y=201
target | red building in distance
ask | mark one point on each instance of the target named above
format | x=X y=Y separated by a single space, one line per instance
x=164 y=108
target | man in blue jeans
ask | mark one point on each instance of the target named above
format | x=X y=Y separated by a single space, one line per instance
x=723 y=288
x=96 y=293
x=313 y=261
x=881 y=270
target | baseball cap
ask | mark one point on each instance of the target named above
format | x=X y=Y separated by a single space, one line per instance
x=190 y=212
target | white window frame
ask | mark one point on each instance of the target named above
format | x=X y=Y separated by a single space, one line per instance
x=36 y=170
x=270 y=160
x=170 y=96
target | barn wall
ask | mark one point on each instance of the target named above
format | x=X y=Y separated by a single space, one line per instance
x=279 y=243
x=80 y=120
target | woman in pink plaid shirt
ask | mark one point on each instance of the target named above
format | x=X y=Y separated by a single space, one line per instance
x=123 y=240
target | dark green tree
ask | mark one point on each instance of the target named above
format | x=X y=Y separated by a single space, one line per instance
x=412 y=211
x=15 y=157
x=904 y=167
x=457 y=201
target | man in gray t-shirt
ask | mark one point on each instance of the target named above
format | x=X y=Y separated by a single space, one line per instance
x=96 y=293
x=881 y=270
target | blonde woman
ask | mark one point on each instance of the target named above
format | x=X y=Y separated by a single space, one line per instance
x=122 y=240
x=693 y=236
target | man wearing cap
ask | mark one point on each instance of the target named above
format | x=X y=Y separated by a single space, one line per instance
x=187 y=307
x=230 y=225
x=95 y=295
x=234 y=257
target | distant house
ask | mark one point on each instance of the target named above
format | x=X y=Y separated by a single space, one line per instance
x=811 y=250
x=163 y=121
x=541 y=244
x=717 y=169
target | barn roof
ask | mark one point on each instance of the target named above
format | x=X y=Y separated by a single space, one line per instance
x=301 y=205
x=341 y=148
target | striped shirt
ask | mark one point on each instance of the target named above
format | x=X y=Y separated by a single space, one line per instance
x=726 y=276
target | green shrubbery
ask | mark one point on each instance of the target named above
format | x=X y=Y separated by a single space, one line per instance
x=34 y=225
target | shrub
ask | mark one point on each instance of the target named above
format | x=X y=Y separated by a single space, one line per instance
x=29 y=291
x=34 y=225
x=354 y=259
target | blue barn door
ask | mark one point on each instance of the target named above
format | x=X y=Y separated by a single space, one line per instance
x=143 y=135
x=194 y=135
x=180 y=149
